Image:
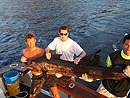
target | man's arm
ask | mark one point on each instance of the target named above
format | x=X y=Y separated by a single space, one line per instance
x=77 y=60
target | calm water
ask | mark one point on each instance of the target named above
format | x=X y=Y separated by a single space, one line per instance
x=94 y=24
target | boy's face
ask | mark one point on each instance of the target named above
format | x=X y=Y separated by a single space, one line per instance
x=31 y=42
x=126 y=47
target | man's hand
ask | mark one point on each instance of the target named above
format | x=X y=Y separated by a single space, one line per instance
x=77 y=60
x=127 y=71
x=48 y=56
x=86 y=78
x=58 y=75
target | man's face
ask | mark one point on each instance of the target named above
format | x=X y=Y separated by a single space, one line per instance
x=31 y=42
x=63 y=35
x=126 y=47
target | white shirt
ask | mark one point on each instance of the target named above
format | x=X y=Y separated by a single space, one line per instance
x=67 y=48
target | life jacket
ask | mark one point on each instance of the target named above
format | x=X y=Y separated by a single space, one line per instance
x=120 y=87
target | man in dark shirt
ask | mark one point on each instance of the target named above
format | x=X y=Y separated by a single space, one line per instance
x=118 y=88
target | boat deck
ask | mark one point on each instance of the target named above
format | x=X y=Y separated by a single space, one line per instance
x=78 y=89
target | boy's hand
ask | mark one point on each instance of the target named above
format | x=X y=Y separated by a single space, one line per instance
x=23 y=59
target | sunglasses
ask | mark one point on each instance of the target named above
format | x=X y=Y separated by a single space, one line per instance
x=64 y=34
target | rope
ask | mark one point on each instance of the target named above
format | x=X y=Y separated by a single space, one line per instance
x=20 y=93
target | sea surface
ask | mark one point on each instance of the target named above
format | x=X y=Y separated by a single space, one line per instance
x=94 y=24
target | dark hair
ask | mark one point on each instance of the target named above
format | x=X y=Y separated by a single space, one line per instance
x=64 y=28
x=126 y=37
x=29 y=35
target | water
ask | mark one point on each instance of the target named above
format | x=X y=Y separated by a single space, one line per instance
x=94 y=24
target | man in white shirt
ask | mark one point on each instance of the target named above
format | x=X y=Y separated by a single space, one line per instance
x=65 y=46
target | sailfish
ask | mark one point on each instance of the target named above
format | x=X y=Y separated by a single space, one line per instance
x=89 y=65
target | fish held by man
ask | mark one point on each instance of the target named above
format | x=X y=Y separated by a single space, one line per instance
x=89 y=65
